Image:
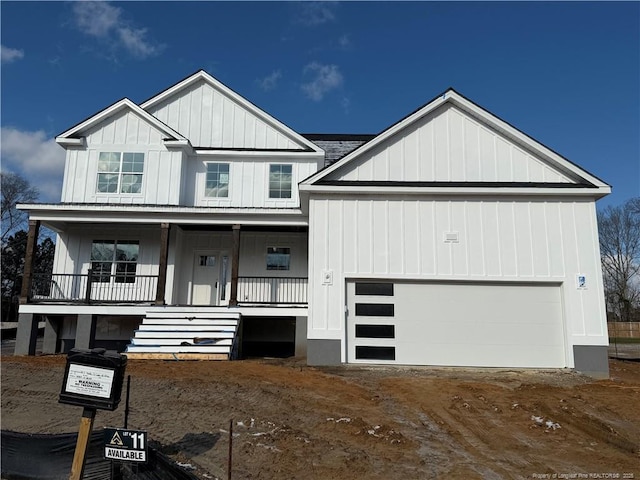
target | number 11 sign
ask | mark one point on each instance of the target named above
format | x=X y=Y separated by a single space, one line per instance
x=125 y=445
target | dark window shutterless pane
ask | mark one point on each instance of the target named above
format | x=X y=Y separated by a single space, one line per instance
x=375 y=331
x=375 y=309
x=278 y=258
x=369 y=288
x=375 y=353
x=125 y=273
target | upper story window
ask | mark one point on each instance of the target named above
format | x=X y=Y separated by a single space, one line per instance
x=217 y=183
x=114 y=258
x=280 y=181
x=120 y=172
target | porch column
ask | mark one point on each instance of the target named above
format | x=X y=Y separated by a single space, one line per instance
x=86 y=331
x=29 y=259
x=235 y=263
x=51 y=331
x=162 y=267
x=27 y=334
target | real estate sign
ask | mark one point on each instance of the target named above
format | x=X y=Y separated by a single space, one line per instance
x=125 y=445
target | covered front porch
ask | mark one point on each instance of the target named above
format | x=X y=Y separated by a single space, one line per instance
x=221 y=262
x=214 y=262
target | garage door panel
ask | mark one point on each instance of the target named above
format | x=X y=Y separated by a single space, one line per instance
x=480 y=324
x=482 y=356
x=469 y=335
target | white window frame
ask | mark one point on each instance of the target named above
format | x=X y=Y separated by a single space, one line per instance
x=120 y=173
x=206 y=179
x=279 y=189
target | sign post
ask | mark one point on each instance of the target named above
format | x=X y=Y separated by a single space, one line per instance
x=92 y=380
x=84 y=432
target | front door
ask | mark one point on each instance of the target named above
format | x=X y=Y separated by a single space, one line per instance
x=206 y=272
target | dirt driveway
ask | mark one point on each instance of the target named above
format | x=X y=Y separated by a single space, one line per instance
x=296 y=422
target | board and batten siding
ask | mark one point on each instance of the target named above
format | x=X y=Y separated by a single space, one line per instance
x=253 y=252
x=210 y=119
x=124 y=132
x=248 y=181
x=498 y=240
x=449 y=145
x=73 y=247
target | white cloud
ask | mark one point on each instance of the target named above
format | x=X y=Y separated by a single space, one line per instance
x=38 y=158
x=105 y=22
x=326 y=78
x=346 y=104
x=312 y=14
x=134 y=41
x=344 y=41
x=8 y=55
x=97 y=19
x=270 y=81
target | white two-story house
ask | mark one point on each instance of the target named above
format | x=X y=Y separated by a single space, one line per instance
x=195 y=225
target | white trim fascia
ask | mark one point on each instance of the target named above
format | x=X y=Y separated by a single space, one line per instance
x=202 y=75
x=142 y=309
x=126 y=208
x=259 y=153
x=180 y=144
x=80 y=309
x=70 y=142
x=175 y=220
x=128 y=214
x=596 y=192
x=115 y=108
x=482 y=115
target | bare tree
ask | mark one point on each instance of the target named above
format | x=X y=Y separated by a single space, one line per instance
x=619 y=230
x=15 y=189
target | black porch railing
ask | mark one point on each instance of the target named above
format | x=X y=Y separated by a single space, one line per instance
x=97 y=287
x=93 y=287
x=273 y=290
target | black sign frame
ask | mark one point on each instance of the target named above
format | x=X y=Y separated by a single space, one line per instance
x=93 y=379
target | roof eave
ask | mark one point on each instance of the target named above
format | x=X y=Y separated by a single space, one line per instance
x=70 y=141
x=589 y=192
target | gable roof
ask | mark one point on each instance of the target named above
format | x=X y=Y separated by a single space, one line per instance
x=450 y=97
x=201 y=76
x=72 y=136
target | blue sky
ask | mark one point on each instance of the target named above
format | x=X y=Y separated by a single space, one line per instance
x=567 y=74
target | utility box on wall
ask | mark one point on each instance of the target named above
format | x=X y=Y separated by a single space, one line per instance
x=93 y=378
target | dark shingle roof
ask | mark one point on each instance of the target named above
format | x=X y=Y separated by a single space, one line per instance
x=337 y=145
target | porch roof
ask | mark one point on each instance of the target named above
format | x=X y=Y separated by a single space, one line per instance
x=58 y=216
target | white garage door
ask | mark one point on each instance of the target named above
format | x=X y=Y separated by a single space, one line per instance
x=457 y=324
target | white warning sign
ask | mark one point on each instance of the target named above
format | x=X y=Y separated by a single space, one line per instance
x=92 y=381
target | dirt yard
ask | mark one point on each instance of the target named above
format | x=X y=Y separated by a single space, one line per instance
x=296 y=422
